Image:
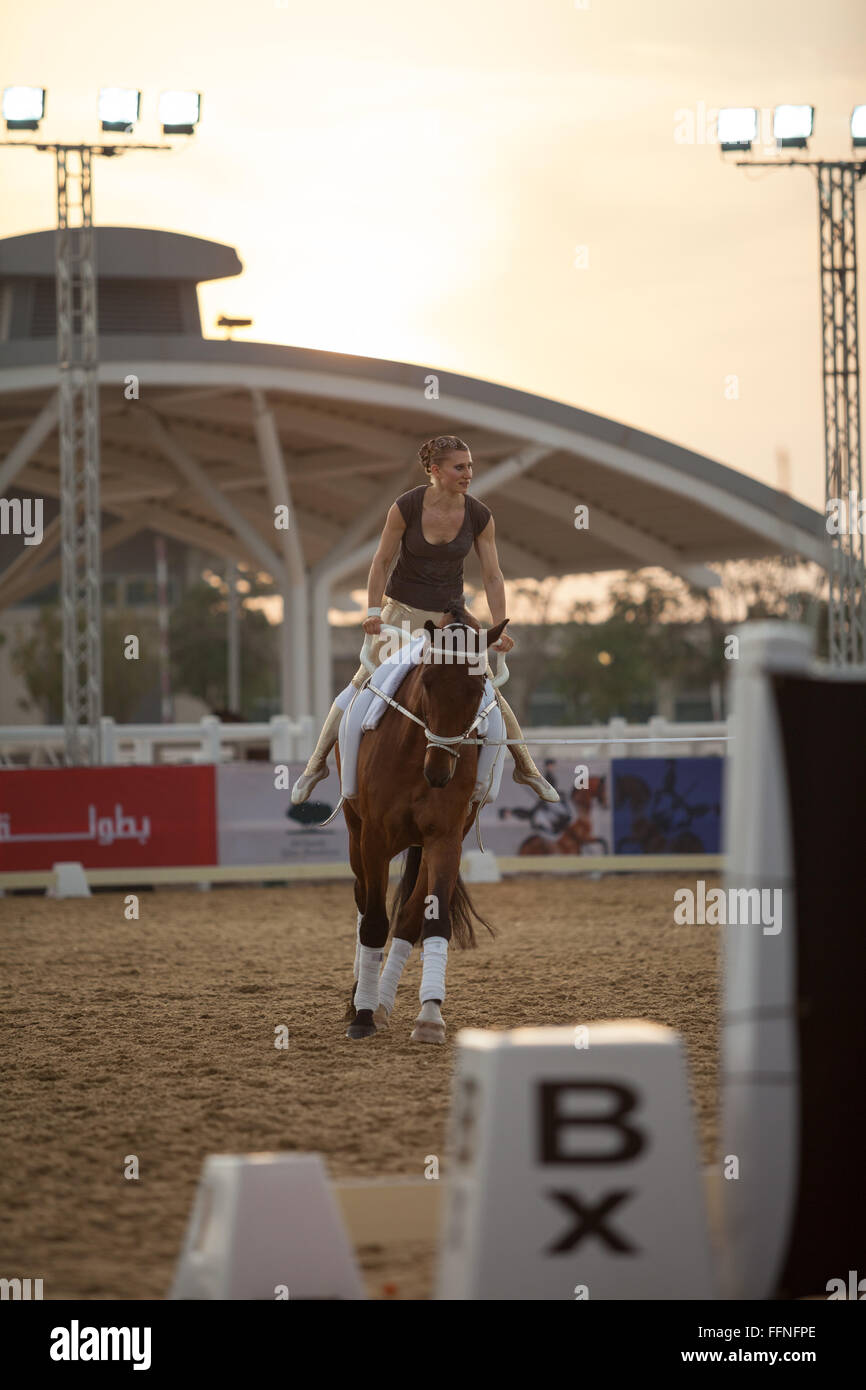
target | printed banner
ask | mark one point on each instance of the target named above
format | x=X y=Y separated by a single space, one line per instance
x=579 y=823
x=231 y=814
x=258 y=825
x=107 y=817
x=667 y=805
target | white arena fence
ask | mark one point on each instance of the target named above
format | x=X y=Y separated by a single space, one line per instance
x=292 y=740
x=208 y=741
x=171 y=803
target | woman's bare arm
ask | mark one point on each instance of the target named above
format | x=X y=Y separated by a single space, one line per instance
x=389 y=543
x=493 y=580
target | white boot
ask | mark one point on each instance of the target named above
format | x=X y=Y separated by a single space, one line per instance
x=525 y=770
x=390 y=978
x=317 y=767
x=429 y=1025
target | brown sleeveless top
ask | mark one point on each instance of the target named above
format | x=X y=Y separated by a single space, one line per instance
x=431 y=576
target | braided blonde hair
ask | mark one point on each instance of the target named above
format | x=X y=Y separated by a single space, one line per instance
x=439 y=448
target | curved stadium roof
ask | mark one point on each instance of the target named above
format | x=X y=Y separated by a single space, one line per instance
x=188 y=459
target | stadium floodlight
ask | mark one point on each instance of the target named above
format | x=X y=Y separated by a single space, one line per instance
x=179 y=112
x=858 y=127
x=792 y=126
x=119 y=108
x=737 y=127
x=23 y=107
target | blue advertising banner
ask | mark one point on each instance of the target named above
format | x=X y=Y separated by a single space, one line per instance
x=667 y=805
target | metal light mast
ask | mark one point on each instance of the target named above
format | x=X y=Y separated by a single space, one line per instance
x=844 y=466
x=78 y=386
x=78 y=378
x=837 y=181
x=79 y=441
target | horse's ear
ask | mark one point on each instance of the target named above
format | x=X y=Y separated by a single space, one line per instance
x=493 y=634
x=430 y=628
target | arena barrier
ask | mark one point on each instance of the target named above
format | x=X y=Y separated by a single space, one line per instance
x=794 y=1024
x=572 y=1161
x=209 y=823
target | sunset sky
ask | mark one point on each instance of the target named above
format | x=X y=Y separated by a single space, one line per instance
x=412 y=181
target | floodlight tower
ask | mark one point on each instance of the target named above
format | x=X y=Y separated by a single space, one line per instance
x=78 y=388
x=843 y=467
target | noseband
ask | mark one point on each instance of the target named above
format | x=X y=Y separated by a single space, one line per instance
x=448 y=744
x=437 y=740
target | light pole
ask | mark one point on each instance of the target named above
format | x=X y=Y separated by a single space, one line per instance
x=78 y=389
x=836 y=181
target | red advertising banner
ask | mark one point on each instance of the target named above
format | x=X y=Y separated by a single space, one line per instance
x=107 y=817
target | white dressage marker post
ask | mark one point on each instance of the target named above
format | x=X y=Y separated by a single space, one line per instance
x=70 y=881
x=476 y=867
x=574 y=1172
x=266 y=1226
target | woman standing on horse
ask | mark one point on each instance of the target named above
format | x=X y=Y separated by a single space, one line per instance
x=433 y=526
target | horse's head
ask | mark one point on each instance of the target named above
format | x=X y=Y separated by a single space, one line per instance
x=452 y=682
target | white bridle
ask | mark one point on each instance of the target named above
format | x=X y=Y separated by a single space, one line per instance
x=447 y=744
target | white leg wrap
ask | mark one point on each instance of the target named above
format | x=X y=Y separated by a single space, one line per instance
x=434 y=955
x=357 y=948
x=367 y=993
x=390 y=978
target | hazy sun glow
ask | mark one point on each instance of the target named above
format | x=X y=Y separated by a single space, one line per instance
x=493 y=188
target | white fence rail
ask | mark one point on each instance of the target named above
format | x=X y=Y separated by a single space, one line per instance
x=208 y=741
x=658 y=738
x=288 y=740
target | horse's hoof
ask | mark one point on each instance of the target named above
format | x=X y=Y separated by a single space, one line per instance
x=428 y=1032
x=363 y=1026
x=381 y=1017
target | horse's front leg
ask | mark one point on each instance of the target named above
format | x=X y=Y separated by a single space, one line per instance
x=407 y=930
x=353 y=825
x=442 y=859
x=372 y=933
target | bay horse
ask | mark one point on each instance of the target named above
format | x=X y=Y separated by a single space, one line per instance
x=415 y=783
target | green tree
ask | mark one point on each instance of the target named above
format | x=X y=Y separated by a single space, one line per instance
x=602 y=668
x=659 y=627
x=198 y=645
x=38 y=659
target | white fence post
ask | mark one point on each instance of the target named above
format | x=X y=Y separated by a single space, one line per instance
x=281 y=739
x=211 y=746
x=108 y=740
x=657 y=727
x=307 y=737
x=616 y=730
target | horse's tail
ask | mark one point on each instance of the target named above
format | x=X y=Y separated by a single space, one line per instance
x=406 y=886
x=463 y=910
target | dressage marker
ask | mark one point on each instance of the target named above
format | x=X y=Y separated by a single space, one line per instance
x=574 y=1169
x=266 y=1226
x=69 y=881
